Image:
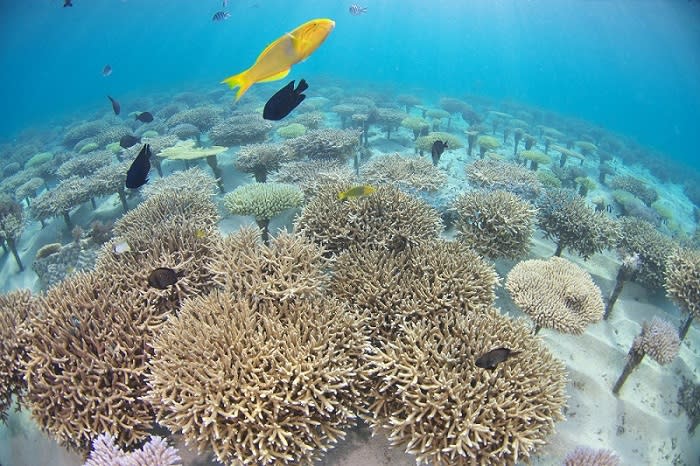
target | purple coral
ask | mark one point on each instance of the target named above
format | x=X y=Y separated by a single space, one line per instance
x=587 y=456
x=155 y=452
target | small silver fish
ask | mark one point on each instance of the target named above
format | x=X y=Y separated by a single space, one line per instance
x=357 y=10
x=121 y=247
x=221 y=16
x=106 y=71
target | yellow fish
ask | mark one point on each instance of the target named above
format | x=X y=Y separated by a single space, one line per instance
x=355 y=192
x=276 y=60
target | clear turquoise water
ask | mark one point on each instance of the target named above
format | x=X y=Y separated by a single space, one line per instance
x=632 y=67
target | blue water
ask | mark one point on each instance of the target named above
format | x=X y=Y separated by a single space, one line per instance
x=632 y=67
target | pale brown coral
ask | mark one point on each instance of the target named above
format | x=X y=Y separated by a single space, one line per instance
x=86 y=362
x=494 y=174
x=258 y=382
x=372 y=219
x=658 y=340
x=324 y=144
x=555 y=293
x=432 y=398
x=683 y=280
x=312 y=175
x=405 y=172
x=290 y=267
x=17 y=308
x=398 y=283
x=495 y=224
x=260 y=159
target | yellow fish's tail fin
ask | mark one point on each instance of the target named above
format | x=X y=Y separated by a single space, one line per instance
x=239 y=81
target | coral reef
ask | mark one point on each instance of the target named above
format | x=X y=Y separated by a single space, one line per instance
x=556 y=294
x=587 y=456
x=155 y=452
x=486 y=144
x=536 y=158
x=263 y=201
x=11 y=226
x=17 y=308
x=400 y=282
x=431 y=397
x=86 y=361
x=658 y=339
x=628 y=268
x=417 y=125
x=82 y=131
x=683 y=284
x=29 y=189
x=260 y=159
x=239 y=130
x=635 y=186
x=185 y=131
x=280 y=383
x=640 y=237
x=689 y=399
x=84 y=165
x=567 y=219
x=324 y=144
x=373 y=219
x=204 y=118
x=495 y=223
x=293 y=130
x=404 y=172
x=54 y=262
x=494 y=174
x=311 y=175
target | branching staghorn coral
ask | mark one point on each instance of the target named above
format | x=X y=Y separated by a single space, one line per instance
x=587 y=456
x=263 y=201
x=155 y=452
x=430 y=396
x=266 y=382
x=17 y=308
x=653 y=248
x=635 y=186
x=192 y=179
x=86 y=361
x=404 y=172
x=240 y=129
x=11 y=226
x=84 y=165
x=398 y=283
x=373 y=219
x=494 y=174
x=683 y=284
x=495 y=223
x=659 y=339
x=556 y=294
x=291 y=267
x=260 y=159
x=204 y=118
x=324 y=144
x=567 y=219
x=312 y=175
x=628 y=268
x=59 y=200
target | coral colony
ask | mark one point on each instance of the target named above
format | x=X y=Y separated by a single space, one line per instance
x=346 y=282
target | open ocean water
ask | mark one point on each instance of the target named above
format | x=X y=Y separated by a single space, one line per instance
x=615 y=84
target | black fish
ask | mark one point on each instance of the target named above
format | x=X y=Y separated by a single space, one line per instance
x=115 y=106
x=220 y=16
x=67 y=3
x=162 y=277
x=146 y=117
x=437 y=150
x=129 y=141
x=137 y=175
x=494 y=357
x=284 y=101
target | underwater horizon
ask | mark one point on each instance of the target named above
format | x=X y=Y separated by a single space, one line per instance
x=387 y=233
x=631 y=67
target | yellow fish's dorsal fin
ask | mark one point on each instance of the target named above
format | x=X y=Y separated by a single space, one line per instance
x=276 y=77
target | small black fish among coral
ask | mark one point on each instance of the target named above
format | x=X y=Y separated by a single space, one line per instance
x=128 y=140
x=437 y=150
x=284 y=101
x=494 y=357
x=145 y=117
x=115 y=105
x=162 y=278
x=137 y=175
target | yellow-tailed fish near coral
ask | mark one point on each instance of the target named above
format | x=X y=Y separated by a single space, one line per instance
x=275 y=61
x=355 y=192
